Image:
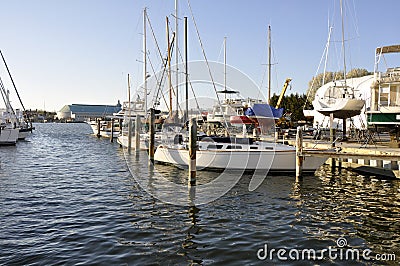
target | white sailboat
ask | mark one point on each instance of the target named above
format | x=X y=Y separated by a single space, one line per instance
x=137 y=109
x=14 y=118
x=337 y=98
x=236 y=153
x=8 y=131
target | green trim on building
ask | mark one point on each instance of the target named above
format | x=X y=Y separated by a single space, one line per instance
x=381 y=118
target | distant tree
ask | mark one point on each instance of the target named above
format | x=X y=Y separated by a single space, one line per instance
x=357 y=72
x=293 y=104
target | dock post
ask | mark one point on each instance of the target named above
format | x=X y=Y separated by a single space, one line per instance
x=151 y=137
x=112 y=131
x=129 y=135
x=98 y=127
x=192 y=151
x=344 y=129
x=299 y=153
x=137 y=134
x=332 y=131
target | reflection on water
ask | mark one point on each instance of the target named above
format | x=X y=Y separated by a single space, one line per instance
x=68 y=198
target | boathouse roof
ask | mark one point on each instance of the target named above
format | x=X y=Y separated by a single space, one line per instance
x=81 y=112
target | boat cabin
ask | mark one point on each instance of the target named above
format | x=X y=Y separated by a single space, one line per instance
x=385 y=92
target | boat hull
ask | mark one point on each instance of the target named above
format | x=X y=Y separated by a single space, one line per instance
x=345 y=108
x=8 y=136
x=24 y=133
x=273 y=161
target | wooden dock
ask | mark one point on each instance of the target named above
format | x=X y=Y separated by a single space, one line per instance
x=377 y=159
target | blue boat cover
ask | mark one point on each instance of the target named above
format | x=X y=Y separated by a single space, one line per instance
x=264 y=110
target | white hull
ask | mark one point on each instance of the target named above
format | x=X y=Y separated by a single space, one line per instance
x=8 y=136
x=144 y=141
x=278 y=160
x=342 y=108
x=107 y=134
x=123 y=141
x=23 y=134
x=104 y=131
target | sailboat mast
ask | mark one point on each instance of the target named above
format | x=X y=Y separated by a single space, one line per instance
x=326 y=54
x=176 y=57
x=169 y=69
x=269 y=63
x=129 y=115
x=12 y=80
x=343 y=46
x=186 y=72
x=225 y=65
x=145 y=60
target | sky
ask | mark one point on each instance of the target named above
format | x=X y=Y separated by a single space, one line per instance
x=80 y=51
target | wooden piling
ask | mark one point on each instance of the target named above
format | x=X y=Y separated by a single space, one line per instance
x=299 y=151
x=332 y=131
x=192 y=151
x=112 y=131
x=129 y=135
x=98 y=127
x=137 y=134
x=151 y=133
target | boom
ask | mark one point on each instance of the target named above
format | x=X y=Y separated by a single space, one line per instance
x=288 y=80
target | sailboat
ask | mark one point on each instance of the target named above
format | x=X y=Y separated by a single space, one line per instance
x=14 y=118
x=337 y=98
x=137 y=108
x=233 y=153
x=8 y=130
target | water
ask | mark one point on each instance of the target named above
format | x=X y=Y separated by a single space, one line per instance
x=67 y=198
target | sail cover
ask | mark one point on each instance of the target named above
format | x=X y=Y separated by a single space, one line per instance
x=262 y=110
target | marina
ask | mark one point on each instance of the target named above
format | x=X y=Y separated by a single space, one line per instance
x=68 y=197
x=205 y=162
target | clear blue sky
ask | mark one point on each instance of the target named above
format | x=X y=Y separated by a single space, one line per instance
x=80 y=51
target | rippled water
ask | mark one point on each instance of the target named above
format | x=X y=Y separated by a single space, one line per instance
x=68 y=198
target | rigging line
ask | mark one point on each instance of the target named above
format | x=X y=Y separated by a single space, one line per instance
x=12 y=80
x=155 y=76
x=205 y=58
x=220 y=51
x=356 y=22
x=275 y=69
x=164 y=63
x=155 y=39
x=264 y=72
x=191 y=86
x=2 y=93
x=159 y=84
x=316 y=73
x=6 y=99
x=164 y=70
x=262 y=81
